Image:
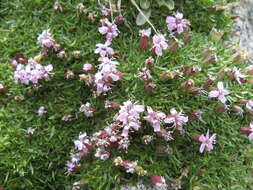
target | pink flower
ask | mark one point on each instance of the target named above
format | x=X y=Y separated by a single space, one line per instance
x=237 y=75
x=251 y=134
x=155 y=118
x=66 y=117
x=104 y=50
x=158 y=181
x=102 y=154
x=129 y=166
x=88 y=67
x=87 y=109
x=146 y=32
x=71 y=166
x=83 y=143
x=206 y=142
x=249 y=104
x=41 y=110
x=220 y=93
x=45 y=39
x=177 y=23
x=105 y=11
x=159 y=44
x=109 y=29
x=32 y=72
x=144 y=74
x=129 y=116
x=176 y=118
x=1 y=87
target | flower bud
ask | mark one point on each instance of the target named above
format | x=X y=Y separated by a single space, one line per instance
x=239 y=56
x=14 y=64
x=147 y=139
x=196 y=115
x=188 y=84
x=187 y=38
x=92 y=17
x=80 y=8
x=243 y=101
x=149 y=62
x=185 y=172
x=195 y=137
x=150 y=87
x=111 y=105
x=62 y=55
x=245 y=130
x=174 y=46
x=144 y=43
x=69 y=75
x=221 y=108
x=165 y=76
x=210 y=59
x=164 y=149
x=209 y=81
x=158 y=180
x=119 y=19
x=57 y=47
x=22 y=61
x=237 y=109
x=207 y=52
x=195 y=91
x=57 y=7
x=77 y=53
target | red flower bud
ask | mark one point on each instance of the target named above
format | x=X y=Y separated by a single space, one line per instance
x=221 y=108
x=245 y=130
x=187 y=38
x=144 y=42
x=195 y=137
x=157 y=180
x=22 y=60
x=174 y=46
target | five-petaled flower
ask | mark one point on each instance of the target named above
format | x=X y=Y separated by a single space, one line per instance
x=155 y=118
x=109 y=29
x=206 y=142
x=219 y=93
x=177 y=23
x=178 y=119
x=159 y=44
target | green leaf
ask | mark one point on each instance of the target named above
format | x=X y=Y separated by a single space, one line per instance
x=140 y=20
x=168 y=3
x=145 y=4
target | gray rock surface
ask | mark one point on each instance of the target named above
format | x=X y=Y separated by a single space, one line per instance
x=243 y=28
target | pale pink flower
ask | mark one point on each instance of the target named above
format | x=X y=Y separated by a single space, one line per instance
x=237 y=75
x=129 y=116
x=146 y=32
x=178 y=119
x=41 y=110
x=177 y=23
x=83 y=143
x=206 y=142
x=66 y=117
x=102 y=154
x=77 y=157
x=129 y=166
x=144 y=74
x=45 y=39
x=249 y=104
x=159 y=44
x=251 y=134
x=155 y=118
x=105 y=11
x=219 y=93
x=87 y=109
x=70 y=167
x=104 y=50
x=109 y=29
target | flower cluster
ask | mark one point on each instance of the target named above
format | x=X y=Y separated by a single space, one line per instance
x=87 y=109
x=103 y=80
x=32 y=72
